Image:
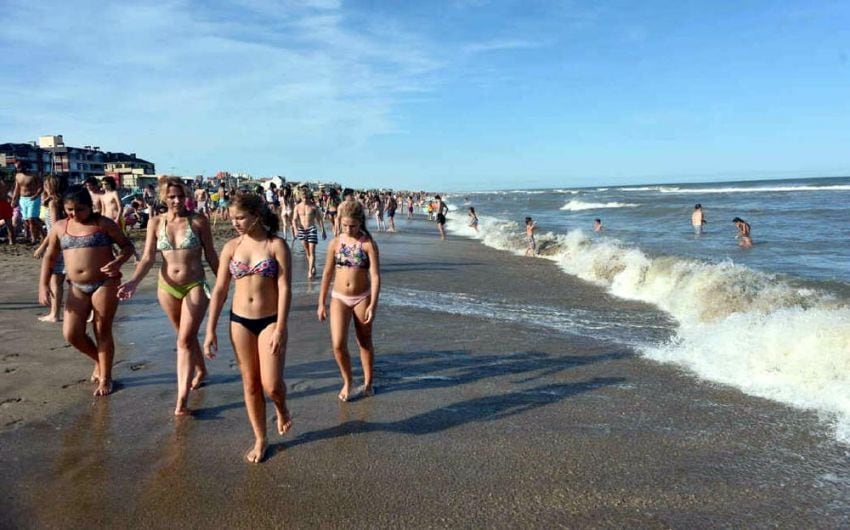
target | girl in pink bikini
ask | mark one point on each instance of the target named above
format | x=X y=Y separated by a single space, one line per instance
x=260 y=265
x=353 y=265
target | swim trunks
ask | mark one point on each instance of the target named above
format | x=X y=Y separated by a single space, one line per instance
x=310 y=235
x=30 y=207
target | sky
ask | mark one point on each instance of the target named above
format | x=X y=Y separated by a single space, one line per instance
x=439 y=95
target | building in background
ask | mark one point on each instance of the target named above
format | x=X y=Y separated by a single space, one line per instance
x=129 y=171
x=74 y=164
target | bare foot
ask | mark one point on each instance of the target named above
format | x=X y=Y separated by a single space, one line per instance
x=366 y=390
x=48 y=318
x=198 y=380
x=104 y=388
x=95 y=376
x=284 y=422
x=257 y=453
x=344 y=394
x=182 y=408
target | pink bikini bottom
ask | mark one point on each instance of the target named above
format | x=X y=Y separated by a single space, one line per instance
x=351 y=301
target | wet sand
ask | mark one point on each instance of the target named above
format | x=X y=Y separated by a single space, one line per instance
x=477 y=421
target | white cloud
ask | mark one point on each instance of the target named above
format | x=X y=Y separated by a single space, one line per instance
x=498 y=45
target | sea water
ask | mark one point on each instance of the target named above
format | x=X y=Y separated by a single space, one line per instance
x=772 y=320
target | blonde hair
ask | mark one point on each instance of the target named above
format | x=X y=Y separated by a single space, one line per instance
x=168 y=182
x=354 y=210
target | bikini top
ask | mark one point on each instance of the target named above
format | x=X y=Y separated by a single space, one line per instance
x=95 y=239
x=352 y=256
x=266 y=268
x=189 y=242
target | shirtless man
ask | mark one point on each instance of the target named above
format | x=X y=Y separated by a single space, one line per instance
x=305 y=223
x=202 y=198
x=744 y=239
x=110 y=203
x=698 y=219
x=93 y=187
x=27 y=195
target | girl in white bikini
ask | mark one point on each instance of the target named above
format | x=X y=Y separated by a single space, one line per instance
x=353 y=265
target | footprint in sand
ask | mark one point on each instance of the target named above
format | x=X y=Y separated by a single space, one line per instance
x=9 y=401
x=10 y=370
x=10 y=356
x=138 y=366
x=69 y=385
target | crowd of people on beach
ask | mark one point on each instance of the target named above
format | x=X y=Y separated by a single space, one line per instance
x=86 y=238
x=83 y=237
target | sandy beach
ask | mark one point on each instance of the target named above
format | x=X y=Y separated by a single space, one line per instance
x=477 y=422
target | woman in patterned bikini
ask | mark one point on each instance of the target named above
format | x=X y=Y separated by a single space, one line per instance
x=352 y=264
x=182 y=237
x=260 y=264
x=85 y=240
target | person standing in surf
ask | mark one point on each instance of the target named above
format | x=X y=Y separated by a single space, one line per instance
x=698 y=219
x=744 y=239
x=531 y=244
x=441 y=211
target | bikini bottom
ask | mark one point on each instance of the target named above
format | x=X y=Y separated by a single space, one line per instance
x=89 y=288
x=351 y=301
x=254 y=325
x=180 y=291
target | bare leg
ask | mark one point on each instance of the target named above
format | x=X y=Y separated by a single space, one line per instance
x=340 y=316
x=363 y=333
x=245 y=346
x=271 y=375
x=77 y=309
x=57 y=289
x=105 y=304
x=311 y=259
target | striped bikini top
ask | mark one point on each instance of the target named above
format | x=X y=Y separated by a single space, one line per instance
x=189 y=242
x=98 y=238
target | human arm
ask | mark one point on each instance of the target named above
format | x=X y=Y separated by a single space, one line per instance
x=327 y=276
x=50 y=254
x=219 y=296
x=128 y=288
x=203 y=228
x=371 y=249
x=284 y=294
x=16 y=193
x=125 y=252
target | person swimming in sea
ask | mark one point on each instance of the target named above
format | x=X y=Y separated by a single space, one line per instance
x=597 y=225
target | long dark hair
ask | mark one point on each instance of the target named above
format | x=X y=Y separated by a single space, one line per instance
x=256 y=205
x=354 y=210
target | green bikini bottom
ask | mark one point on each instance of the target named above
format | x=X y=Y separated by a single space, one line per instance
x=180 y=291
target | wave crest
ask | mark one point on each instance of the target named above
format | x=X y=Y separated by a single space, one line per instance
x=576 y=205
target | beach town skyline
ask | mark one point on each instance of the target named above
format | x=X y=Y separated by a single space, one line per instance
x=467 y=95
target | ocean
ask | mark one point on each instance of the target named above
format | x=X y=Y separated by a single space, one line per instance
x=772 y=320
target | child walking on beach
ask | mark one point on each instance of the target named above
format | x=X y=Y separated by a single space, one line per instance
x=55 y=212
x=353 y=266
x=260 y=264
x=85 y=239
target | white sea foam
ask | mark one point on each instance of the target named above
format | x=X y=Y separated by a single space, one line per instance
x=740 y=189
x=737 y=326
x=576 y=205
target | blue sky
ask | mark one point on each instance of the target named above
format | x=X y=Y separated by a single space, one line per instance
x=443 y=95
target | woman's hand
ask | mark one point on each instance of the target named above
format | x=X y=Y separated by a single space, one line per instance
x=39 y=252
x=322 y=312
x=44 y=295
x=112 y=269
x=278 y=340
x=370 y=313
x=210 y=345
x=126 y=290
